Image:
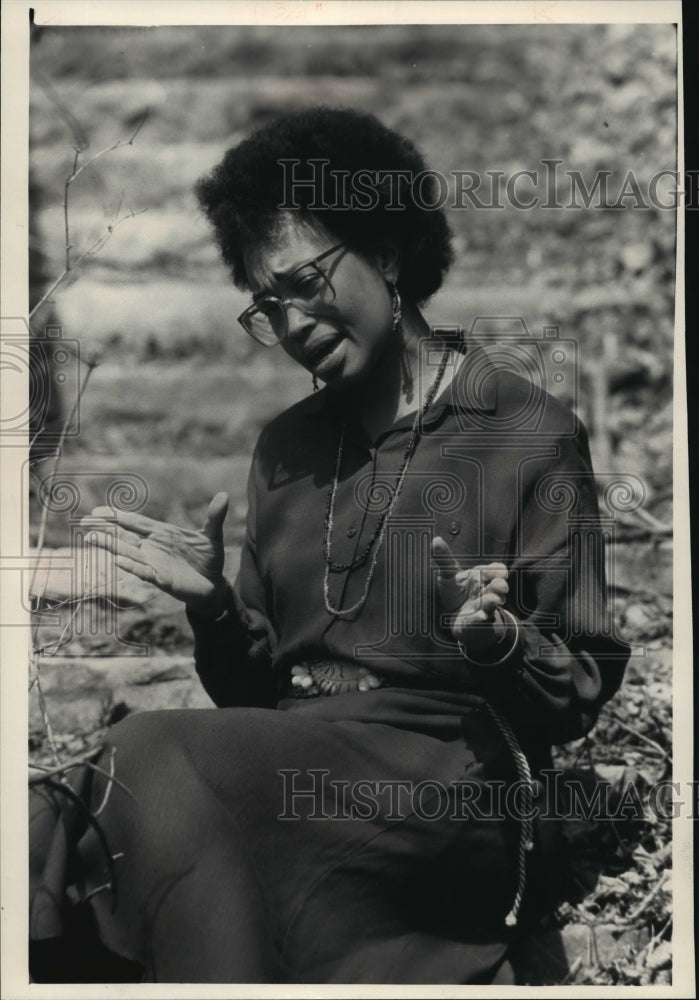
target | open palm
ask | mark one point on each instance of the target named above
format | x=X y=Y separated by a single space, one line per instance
x=182 y=562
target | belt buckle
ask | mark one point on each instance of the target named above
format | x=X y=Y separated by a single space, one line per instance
x=323 y=677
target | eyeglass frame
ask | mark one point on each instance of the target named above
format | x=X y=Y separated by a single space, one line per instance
x=284 y=303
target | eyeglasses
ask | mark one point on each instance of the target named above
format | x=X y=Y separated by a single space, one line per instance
x=308 y=287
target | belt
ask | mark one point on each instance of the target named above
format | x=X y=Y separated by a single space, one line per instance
x=328 y=677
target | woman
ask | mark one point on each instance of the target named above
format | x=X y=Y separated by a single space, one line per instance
x=339 y=817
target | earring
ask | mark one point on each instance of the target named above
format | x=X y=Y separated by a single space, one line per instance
x=406 y=375
x=396 y=307
x=315 y=384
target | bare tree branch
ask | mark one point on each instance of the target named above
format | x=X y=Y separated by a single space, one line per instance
x=77 y=169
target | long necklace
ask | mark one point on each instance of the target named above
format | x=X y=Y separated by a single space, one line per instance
x=377 y=537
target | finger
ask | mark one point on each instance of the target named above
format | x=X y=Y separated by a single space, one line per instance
x=467 y=584
x=466 y=619
x=216 y=515
x=445 y=559
x=128 y=519
x=494 y=571
x=491 y=601
x=98 y=520
x=110 y=542
x=129 y=537
x=478 y=613
x=96 y=534
x=140 y=569
x=498 y=586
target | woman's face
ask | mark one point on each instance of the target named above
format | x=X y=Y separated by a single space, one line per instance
x=339 y=339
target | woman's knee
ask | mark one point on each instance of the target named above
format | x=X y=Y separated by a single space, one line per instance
x=145 y=793
x=180 y=761
x=137 y=749
x=146 y=735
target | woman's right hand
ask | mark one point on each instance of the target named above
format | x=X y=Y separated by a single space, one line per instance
x=182 y=562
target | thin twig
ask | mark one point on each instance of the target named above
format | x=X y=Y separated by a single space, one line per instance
x=106 y=887
x=660 y=884
x=91 y=593
x=78 y=132
x=635 y=914
x=47 y=295
x=660 y=498
x=66 y=222
x=619 y=588
x=66 y=790
x=104 y=238
x=91 y=250
x=88 y=595
x=640 y=736
x=77 y=170
x=572 y=972
x=108 y=789
x=94 y=592
x=648 y=950
x=50 y=772
x=37 y=459
x=649 y=519
x=34 y=605
x=82 y=762
x=592 y=952
x=56 y=644
x=644 y=535
x=36 y=437
x=659 y=725
x=91 y=365
x=45 y=718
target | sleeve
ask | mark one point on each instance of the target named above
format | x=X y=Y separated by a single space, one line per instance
x=233 y=655
x=567 y=661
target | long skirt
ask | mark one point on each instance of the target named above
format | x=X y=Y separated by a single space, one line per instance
x=337 y=840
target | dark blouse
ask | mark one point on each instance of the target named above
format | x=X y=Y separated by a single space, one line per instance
x=502 y=472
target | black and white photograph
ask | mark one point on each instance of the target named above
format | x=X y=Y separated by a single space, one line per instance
x=344 y=500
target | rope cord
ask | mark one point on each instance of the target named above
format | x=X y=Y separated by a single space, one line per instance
x=526 y=838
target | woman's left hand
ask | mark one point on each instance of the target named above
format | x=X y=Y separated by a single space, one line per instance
x=471 y=595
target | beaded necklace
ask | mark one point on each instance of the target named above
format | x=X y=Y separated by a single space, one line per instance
x=377 y=537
